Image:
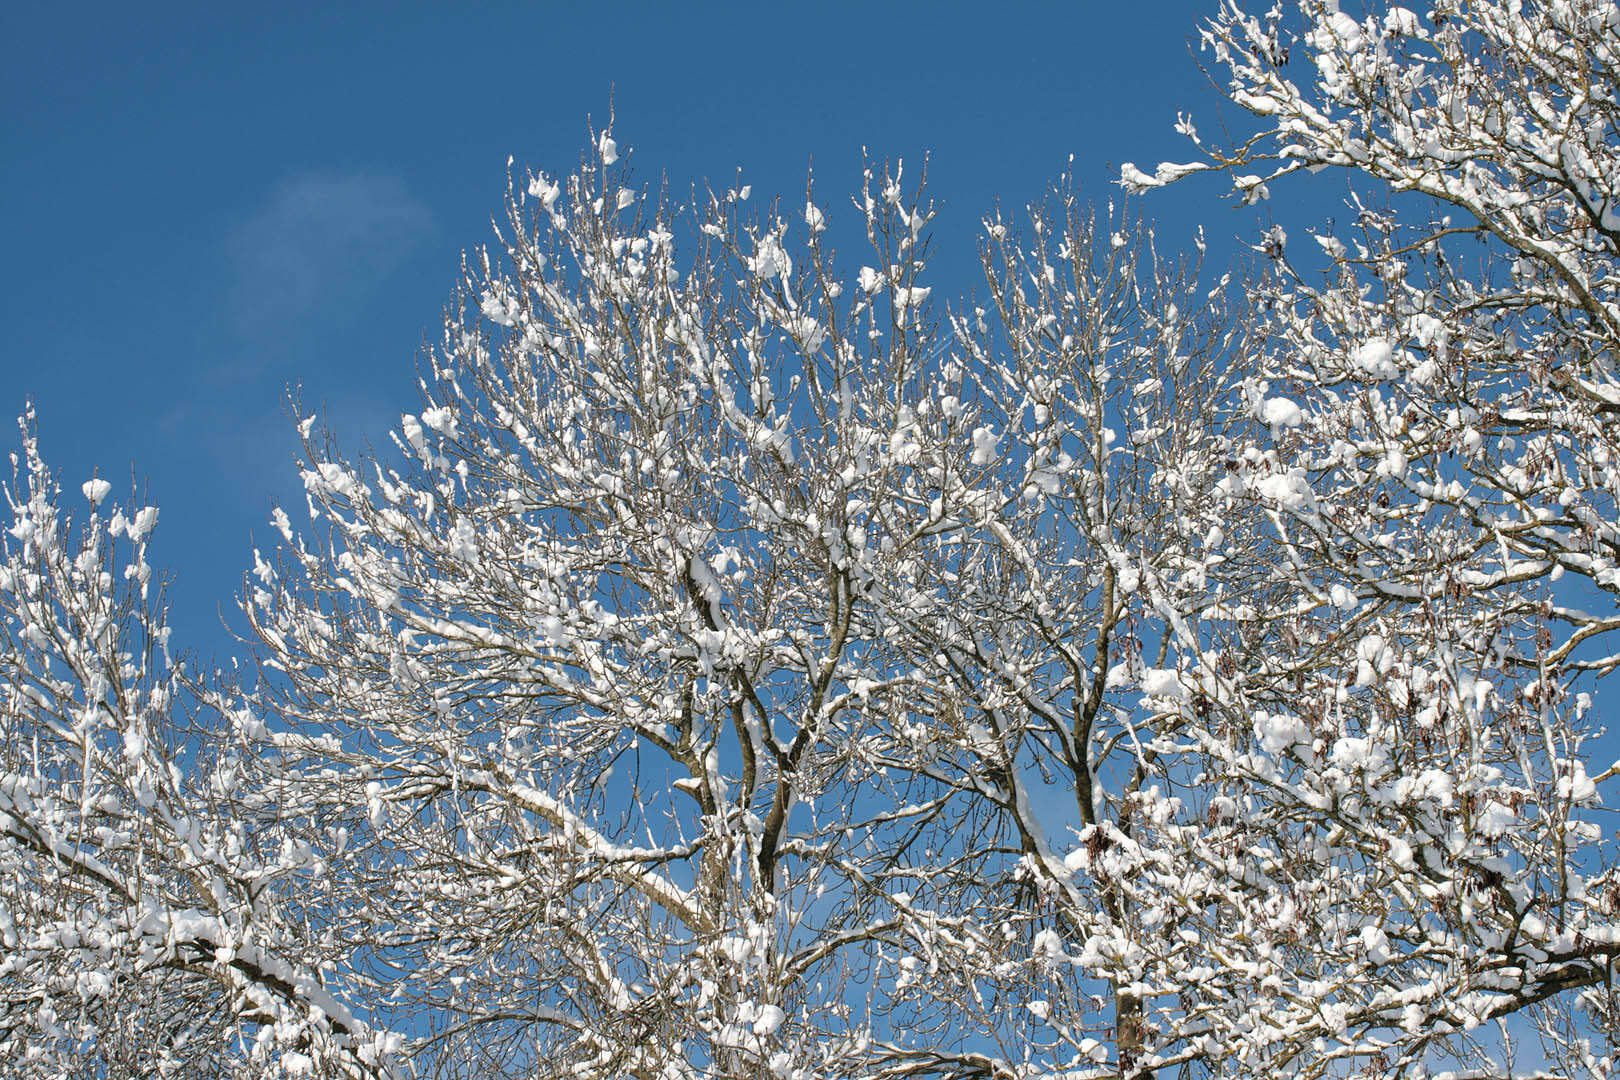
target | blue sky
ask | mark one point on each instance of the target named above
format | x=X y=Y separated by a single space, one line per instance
x=202 y=206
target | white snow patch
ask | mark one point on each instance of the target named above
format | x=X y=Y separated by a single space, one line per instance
x=1163 y=682
x=95 y=490
x=1376 y=358
x=1281 y=413
x=985 y=441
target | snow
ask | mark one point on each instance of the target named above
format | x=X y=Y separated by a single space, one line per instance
x=294 y=1063
x=500 y=306
x=144 y=522
x=1495 y=820
x=1347 y=30
x=96 y=490
x=1575 y=785
x=768 y=1019
x=1281 y=413
x=1376 y=358
x=441 y=419
x=1164 y=683
x=1135 y=180
x=985 y=445
x=1289 y=490
x=1402 y=21
x=1375 y=943
x=545 y=190
x=1279 y=732
x=910 y=297
x=1359 y=754
x=770 y=260
x=411 y=428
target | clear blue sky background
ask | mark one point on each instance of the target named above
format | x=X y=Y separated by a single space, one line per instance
x=202 y=206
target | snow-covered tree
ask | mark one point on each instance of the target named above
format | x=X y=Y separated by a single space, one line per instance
x=1442 y=392
x=744 y=665
x=689 y=663
x=144 y=926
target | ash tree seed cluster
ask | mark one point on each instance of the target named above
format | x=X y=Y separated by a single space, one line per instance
x=744 y=664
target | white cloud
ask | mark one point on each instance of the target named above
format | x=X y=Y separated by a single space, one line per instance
x=320 y=242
